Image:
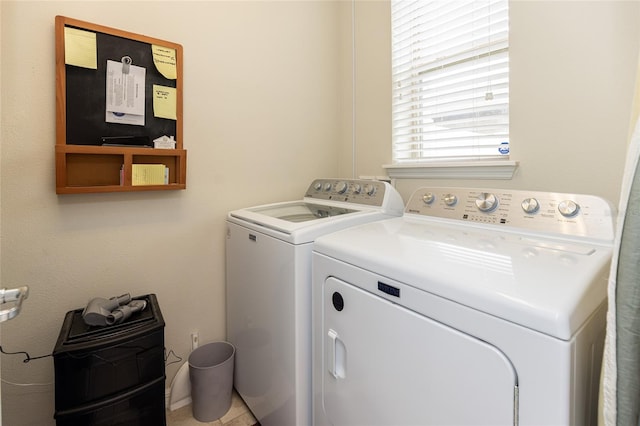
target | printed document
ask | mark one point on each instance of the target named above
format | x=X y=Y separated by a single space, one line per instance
x=125 y=93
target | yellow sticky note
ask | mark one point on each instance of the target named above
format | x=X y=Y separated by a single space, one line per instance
x=148 y=174
x=164 y=59
x=80 y=48
x=164 y=102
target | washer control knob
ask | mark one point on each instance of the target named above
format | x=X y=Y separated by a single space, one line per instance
x=317 y=186
x=486 y=202
x=568 y=208
x=428 y=198
x=327 y=186
x=341 y=187
x=450 y=200
x=530 y=205
x=369 y=189
x=357 y=188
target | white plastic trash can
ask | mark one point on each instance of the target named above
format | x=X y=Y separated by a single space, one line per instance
x=211 y=375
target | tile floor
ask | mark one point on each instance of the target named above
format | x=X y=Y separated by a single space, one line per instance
x=238 y=415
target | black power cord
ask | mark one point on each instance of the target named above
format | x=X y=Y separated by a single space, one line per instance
x=26 y=354
x=28 y=357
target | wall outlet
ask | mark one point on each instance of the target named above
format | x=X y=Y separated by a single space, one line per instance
x=195 y=340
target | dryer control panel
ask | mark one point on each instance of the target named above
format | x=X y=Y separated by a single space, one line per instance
x=549 y=212
x=358 y=191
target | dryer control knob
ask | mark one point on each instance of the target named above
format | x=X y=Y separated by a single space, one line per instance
x=317 y=186
x=327 y=186
x=357 y=188
x=341 y=187
x=450 y=200
x=486 y=202
x=568 y=208
x=428 y=198
x=369 y=189
x=530 y=205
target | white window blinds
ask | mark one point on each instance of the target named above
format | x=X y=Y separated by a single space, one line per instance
x=450 y=80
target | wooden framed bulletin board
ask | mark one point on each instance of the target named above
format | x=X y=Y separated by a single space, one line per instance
x=118 y=110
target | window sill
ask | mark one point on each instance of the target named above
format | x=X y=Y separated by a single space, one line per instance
x=502 y=169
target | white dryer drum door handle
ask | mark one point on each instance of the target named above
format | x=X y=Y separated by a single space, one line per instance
x=337 y=355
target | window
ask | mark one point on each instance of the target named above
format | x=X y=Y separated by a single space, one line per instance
x=450 y=71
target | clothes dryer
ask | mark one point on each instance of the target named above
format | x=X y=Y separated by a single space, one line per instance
x=474 y=308
x=268 y=269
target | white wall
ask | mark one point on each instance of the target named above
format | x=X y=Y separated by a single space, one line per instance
x=260 y=122
x=572 y=67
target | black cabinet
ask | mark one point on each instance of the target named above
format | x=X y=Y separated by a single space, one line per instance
x=111 y=376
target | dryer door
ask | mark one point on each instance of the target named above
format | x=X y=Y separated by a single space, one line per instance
x=386 y=365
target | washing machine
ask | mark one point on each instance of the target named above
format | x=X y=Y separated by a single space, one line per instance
x=268 y=294
x=476 y=307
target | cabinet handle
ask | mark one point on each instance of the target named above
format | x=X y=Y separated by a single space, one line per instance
x=16 y=295
x=337 y=356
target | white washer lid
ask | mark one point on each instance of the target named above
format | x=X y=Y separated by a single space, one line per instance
x=304 y=231
x=328 y=205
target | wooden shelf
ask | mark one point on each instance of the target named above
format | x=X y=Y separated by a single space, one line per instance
x=83 y=165
x=87 y=169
